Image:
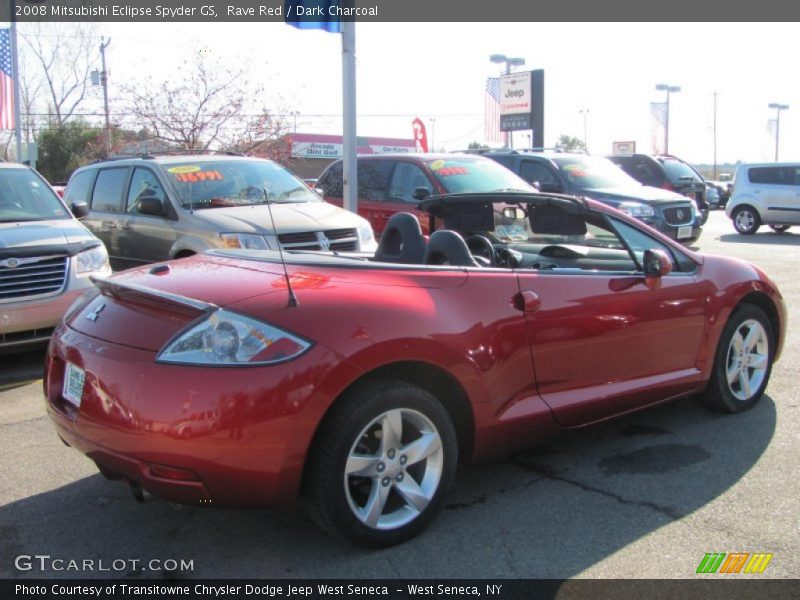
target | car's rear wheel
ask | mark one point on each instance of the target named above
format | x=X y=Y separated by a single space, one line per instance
x=381 y=464
x=779 y=228
x=743 y=361
x=746 y=220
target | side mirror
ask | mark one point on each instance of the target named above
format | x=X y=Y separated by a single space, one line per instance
x=150 y=205
x=549 y=187
x=421 y=193
x=79 y=209
x=656 y=263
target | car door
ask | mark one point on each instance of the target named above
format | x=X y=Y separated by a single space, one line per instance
x=106 y=210
x=374 y=176
x=407 y=177
x=778 y=188
x=605 y=339
x=146 y=238
x=373 y=182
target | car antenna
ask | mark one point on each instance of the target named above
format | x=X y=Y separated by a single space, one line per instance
x=292 y=298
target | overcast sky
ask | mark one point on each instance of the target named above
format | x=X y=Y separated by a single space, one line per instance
x=438 y=72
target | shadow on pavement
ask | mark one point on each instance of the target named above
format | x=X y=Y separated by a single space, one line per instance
x=765 y=237
x=549 y=512
x=21 y=369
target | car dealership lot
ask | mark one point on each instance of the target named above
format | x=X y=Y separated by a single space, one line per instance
x=644 y=496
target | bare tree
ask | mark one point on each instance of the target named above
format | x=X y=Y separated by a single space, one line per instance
x=204 y=106
x=64 y=53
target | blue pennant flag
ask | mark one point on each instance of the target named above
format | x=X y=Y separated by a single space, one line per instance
x=314 y=14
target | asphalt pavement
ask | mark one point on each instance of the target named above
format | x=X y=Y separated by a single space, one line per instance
x=646 y=496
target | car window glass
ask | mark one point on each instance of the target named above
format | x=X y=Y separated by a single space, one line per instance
x=769 y=175
x=474 y=174
x=593 y=172
x=407 y=177
x=506 y=161
x=108 y=190
x=534 y=171
x=25 y=196
x=677 y=169
x=373 y=179
x=638 y=242
x=645 y=171
x=79 y=186
x=143 y=184
x=331 y=181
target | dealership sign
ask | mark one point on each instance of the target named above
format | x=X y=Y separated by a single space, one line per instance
x=623 y=147
x=516 y=102
x=308 y=145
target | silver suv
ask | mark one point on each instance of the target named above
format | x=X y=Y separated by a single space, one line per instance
x=765 y=193
x=46 y=258
x=161 y=207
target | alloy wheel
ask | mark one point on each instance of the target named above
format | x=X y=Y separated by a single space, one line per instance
x=393 y=469
x=747 y=359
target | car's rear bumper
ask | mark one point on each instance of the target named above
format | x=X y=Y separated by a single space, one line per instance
x=236 y=437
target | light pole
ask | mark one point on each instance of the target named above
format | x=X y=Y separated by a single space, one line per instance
x=670 y=89
x=509 y=62
x=585 y=113
x=104 y=83
x=778 y=108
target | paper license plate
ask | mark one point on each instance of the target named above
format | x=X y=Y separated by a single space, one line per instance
x=684 y=232
x=74 y=377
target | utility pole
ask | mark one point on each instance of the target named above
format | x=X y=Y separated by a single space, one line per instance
x=715 y=135
x=104 y=83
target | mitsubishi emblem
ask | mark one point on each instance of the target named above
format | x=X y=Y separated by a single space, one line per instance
x=324 y=242
x=92 y=316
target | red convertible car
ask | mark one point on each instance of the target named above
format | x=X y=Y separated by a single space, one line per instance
x=358 y=383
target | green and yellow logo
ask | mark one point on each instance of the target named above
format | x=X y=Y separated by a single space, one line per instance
x=735 y=562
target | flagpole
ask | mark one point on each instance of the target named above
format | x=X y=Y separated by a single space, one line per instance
x=349 y=166
x=17 y=80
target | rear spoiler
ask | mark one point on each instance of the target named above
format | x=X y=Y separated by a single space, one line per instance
x=140 y=293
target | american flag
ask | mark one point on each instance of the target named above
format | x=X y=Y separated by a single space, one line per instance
x=491 y=110
x=658 y=125
x=6 y=82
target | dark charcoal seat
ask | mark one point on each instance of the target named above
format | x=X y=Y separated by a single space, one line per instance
x=401 y=241
x=447 y=247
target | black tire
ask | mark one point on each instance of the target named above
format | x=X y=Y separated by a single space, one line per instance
x=746 y=220
x=734 y=397
x=338 y=502
x=780 y=228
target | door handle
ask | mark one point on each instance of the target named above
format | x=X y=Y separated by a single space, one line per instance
x=126 y=225
x=527 y=301
x=110 y=225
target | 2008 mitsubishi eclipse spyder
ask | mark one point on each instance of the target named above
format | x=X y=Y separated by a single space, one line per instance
x=357 y=383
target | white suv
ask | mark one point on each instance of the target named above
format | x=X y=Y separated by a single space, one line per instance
x=765 y=193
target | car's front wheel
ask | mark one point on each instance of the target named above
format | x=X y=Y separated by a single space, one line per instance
x=381 y=464
x=743 y=361
x=746 y=220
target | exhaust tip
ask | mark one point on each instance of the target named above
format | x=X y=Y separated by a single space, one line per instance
x=139 y=493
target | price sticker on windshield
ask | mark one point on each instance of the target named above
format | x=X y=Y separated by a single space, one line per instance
x=198 y=176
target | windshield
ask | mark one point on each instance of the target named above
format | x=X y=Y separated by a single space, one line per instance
x=677 y=169
x=594 y=172
x=213 y=184
x=24 y=196
x=516 y=229
x=459 y=175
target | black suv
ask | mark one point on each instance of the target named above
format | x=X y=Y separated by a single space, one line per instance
x=670 y=213
x=668 y=172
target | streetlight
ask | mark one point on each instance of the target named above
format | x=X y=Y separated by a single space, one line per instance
x=778 y=108
x=509 y=62
x=585 y=113
x=670 y=89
